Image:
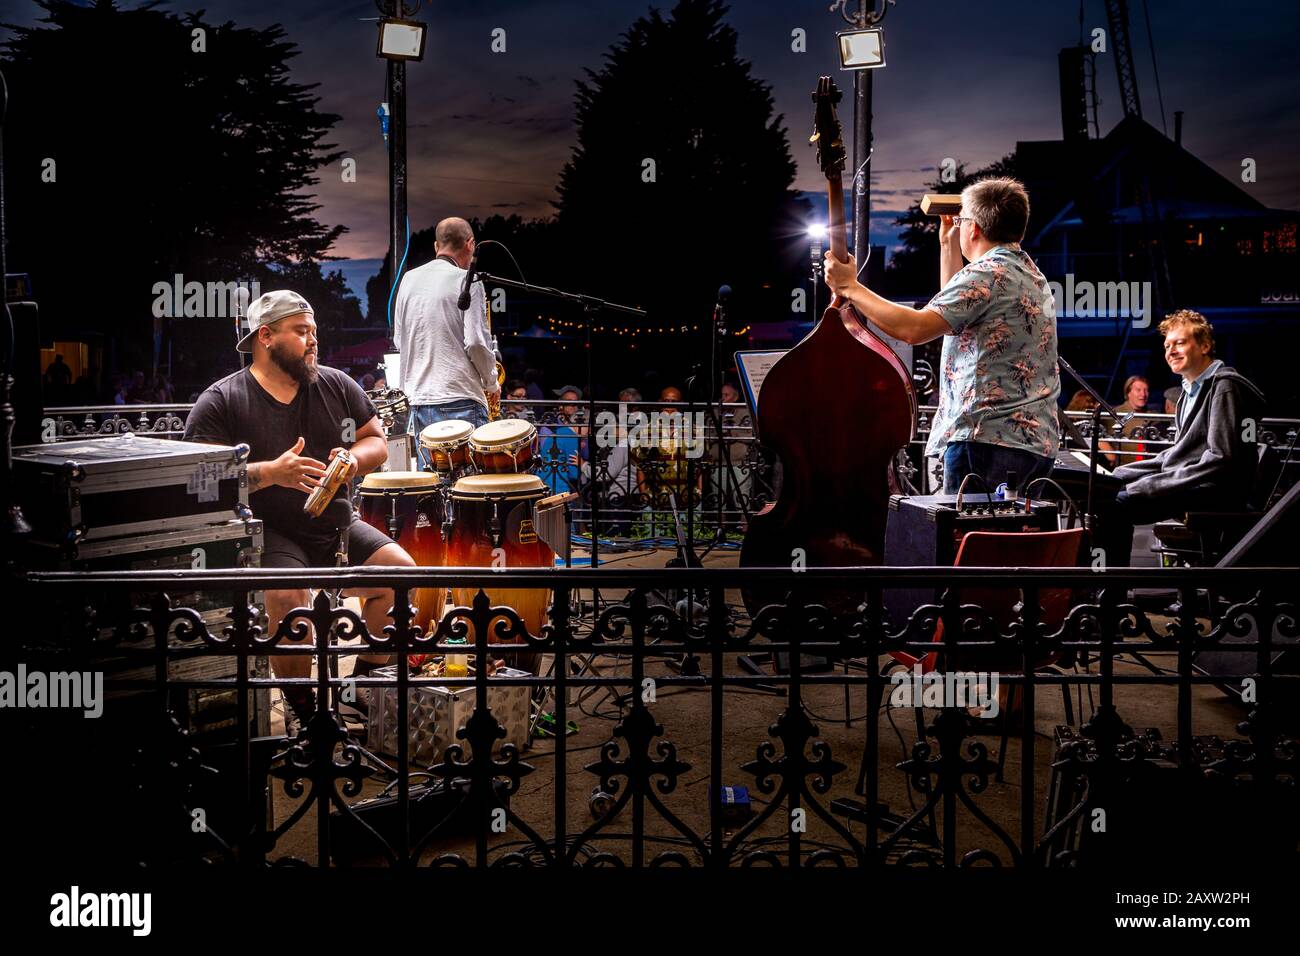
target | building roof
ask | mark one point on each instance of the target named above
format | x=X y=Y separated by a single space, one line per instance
x=1100 y=181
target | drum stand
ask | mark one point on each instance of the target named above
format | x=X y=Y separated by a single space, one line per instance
x=340 y=511
x=591 y=307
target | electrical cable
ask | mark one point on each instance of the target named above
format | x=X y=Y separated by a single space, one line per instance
x=397 y=276
x=961 y=489
x=1074 y=507
x=1295 y=433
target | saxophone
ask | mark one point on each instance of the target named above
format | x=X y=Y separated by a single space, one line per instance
x=493 y=399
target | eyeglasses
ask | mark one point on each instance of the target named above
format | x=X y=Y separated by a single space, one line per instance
x=958 y=220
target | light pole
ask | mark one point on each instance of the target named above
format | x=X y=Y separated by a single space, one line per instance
x=400 y=39
x=862 y=50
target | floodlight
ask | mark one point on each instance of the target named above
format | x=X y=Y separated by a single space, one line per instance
x=401 y=39
x=862 y=49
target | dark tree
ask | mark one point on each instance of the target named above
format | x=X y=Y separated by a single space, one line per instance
x=167 y=160
x=914 y=269
x=674 y=93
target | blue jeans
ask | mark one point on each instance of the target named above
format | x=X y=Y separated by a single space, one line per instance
x=463 y=409
x=991 y=463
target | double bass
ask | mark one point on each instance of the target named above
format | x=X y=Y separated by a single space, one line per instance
x=836 y=409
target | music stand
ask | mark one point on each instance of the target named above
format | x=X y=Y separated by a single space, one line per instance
x=1120 y=421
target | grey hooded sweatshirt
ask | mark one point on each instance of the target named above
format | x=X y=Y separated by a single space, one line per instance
x=1211 y=454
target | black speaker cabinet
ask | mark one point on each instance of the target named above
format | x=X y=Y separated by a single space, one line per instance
x=924 y=530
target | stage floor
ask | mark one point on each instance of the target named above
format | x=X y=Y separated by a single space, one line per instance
x=685 y=713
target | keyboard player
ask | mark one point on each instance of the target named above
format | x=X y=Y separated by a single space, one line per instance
x=1210 y=466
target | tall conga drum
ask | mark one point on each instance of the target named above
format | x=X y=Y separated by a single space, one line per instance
x=497 y=511
x=408 y=507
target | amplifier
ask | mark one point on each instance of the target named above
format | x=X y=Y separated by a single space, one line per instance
x=1158 y=809
x=72 y=492
x=231 y=544
x=924 y=530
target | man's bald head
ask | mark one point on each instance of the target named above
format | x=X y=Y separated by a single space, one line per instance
x=452 y=235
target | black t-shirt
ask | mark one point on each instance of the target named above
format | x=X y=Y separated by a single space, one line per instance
x=237 y=409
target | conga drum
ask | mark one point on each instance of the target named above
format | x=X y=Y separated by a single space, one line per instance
x=446 y=445
x=497 y=511
x=506 y=446
x=407 y=506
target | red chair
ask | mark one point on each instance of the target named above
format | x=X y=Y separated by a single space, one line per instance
x=996 y=549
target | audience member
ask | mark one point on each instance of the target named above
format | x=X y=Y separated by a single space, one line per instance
x=561 y=444
x=532 y=380
x=733 y=484
x=1136 y=392
x=517 y=391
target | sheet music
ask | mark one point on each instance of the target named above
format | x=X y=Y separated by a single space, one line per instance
x=1087 y=462
x=754 y=367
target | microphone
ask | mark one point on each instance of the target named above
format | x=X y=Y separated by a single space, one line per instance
x=463 y=302
x=720 y=309
x=241 y=303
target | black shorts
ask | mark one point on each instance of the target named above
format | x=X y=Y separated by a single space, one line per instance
x=281 y=551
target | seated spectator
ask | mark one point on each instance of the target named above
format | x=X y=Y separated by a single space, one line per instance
x=139 y=393
x=516 y=391
x=663 y=467
x=560 y=445
x=1081 y=401
x=737 y=428
x=1136 y=392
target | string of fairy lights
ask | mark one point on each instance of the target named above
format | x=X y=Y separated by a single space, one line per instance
x=565 y=326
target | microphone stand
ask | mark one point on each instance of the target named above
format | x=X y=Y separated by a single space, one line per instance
x=591 y=307
x=1095 y=438
x=15 y=526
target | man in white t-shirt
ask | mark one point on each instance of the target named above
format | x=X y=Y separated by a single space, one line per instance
x=448 y=364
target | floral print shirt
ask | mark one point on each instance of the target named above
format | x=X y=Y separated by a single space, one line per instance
x=999 y=380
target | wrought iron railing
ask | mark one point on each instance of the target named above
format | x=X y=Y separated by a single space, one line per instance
x=639 y=487
x=652 y=657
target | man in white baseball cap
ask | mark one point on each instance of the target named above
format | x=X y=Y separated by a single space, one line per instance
x=268 y=309
x=296 y=415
